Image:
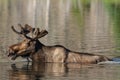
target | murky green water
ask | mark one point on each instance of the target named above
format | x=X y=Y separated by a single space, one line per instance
x=80 y=25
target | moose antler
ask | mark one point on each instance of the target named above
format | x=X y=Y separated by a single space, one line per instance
x=39 y=34
x=15 y=30
x=27 y=29
x=24 y=30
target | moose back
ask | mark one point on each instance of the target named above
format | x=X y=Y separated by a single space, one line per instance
x=32 y=48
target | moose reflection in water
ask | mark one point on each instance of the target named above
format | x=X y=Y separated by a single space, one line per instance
x=32 y=48
x=36 y=71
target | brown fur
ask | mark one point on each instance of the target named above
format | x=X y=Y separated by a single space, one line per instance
x=42 y=53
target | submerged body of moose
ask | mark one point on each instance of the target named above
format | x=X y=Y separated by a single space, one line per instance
x=32 y=48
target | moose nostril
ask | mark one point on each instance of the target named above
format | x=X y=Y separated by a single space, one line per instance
x=9 y=54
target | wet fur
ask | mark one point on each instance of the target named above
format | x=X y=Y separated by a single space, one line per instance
x=60 y=54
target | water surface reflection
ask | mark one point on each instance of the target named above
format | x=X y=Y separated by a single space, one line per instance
x=58 y=71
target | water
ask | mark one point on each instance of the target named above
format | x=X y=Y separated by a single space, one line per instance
x=59 y=71
x=79 y=25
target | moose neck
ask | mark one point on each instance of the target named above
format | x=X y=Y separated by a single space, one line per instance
x=38 y=45
x=41 y=52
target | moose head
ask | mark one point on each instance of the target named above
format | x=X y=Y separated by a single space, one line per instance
x=29 y=45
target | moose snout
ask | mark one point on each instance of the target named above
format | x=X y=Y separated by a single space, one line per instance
x=10 y=53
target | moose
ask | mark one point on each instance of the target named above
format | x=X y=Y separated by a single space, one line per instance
x=32 y=48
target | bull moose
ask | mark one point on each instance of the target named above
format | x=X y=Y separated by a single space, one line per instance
x=32 y=48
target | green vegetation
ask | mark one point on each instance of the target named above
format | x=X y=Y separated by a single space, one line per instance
x=113 y=8
x=78 y=8
x=112 y=1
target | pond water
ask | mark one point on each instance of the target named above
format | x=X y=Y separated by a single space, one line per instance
x=58 y=71
x=80 y=25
